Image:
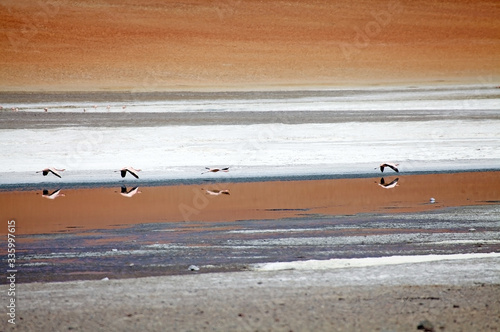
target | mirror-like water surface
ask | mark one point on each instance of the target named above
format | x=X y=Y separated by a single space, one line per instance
x=131 y=231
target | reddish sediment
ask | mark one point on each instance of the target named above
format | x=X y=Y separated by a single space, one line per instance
x=249 y=44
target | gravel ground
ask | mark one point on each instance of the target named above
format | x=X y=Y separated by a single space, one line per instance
x=450 y=295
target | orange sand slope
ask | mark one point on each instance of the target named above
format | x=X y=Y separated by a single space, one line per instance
x=160 y=45
x=104 y=207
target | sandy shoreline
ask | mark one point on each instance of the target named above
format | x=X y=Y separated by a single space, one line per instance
x=452 y=295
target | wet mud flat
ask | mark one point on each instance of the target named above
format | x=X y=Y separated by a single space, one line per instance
x=31 y=120
x=155 y=109
x=174 y=248
x=132 y=96
x=106 y=232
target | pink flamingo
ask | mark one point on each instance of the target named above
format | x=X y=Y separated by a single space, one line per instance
x=215 y=170
x=129 y=169
x=52 y=170
x=390 y=165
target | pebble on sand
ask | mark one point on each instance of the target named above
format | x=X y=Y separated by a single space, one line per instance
x=426 y=326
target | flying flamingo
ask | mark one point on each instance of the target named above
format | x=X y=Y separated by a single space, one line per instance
x=390 y=165
x=53 y=195
x=390 y=185
x=129 y=169
x=215 y=170
x=130 y=192
x=52 y=170
x=217 y=192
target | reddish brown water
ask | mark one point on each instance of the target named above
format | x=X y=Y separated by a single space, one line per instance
x=104 y=208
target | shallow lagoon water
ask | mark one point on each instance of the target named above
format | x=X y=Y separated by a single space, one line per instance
x=226 y=201
x=303 y=183
x=96 y=232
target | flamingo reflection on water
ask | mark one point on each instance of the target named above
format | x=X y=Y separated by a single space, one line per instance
x=215 y=192
x=389 y=185
x=53 y=195
x=129 y=193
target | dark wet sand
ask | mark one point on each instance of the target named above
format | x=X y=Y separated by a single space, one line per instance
x=74 y=97
x=29 y=120
x=54 y=119
x=169 y=248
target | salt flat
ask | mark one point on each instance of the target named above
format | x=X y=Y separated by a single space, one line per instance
x=250 y=150
x=348 y=132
